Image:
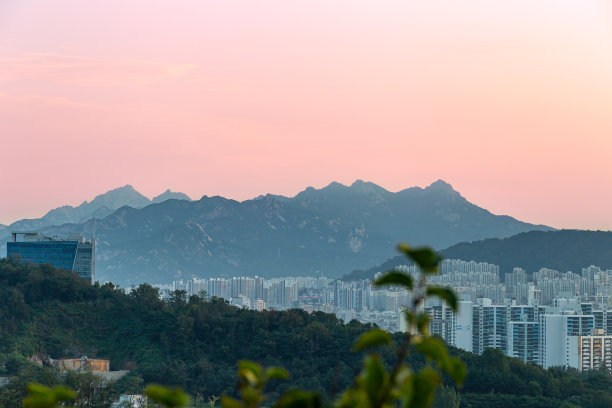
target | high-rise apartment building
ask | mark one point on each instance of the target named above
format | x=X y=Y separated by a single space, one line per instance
x=490 y=326
x=559 y=338
x=442 y=322
x=524 y=341
x=454 y=328
x=595 y=351
x=514 y=281
x=73 y=254
x=524 y=332
x=463 y=326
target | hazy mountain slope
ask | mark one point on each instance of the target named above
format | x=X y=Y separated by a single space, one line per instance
x=564 y=250
x=101 y=206
x=215 y=236
x=437 y=215
x=326 y=231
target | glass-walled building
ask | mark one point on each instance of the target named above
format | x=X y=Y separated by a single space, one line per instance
x=72 y=254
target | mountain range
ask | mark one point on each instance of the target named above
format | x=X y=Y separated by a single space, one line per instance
x=101 y=206
x=563 y=250
x=326 y=231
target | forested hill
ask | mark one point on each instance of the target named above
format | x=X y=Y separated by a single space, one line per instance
x=195 y=343
x=563 y=250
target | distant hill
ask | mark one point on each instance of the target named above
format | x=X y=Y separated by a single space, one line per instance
x=564 y=250
x=320 y=231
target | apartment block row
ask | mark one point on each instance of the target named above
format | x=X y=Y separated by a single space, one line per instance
x=568 y=334
x=253 y=293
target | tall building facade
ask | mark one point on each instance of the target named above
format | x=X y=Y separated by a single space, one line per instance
x=454 y=328
x=595 y=351
x=559 y=338
x=442 y=322
x=490 y=326
x=524 y=341
x=73 y=254
x=524 y=332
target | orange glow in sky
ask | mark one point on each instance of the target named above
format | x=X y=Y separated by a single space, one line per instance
x=509 y=101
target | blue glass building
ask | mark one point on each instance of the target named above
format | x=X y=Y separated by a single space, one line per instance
x=72 y=254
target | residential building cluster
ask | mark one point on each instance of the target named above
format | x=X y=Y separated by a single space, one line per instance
x=548 y=318
x=570 y=333
x=252 y=293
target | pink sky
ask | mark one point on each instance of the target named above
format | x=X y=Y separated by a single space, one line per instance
x=509 y=101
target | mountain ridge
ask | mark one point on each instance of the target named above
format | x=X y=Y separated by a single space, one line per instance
x=100 y=206
x=170 y=195
x=318 y=231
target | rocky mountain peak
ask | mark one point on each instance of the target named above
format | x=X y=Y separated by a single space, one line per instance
x=170 y=195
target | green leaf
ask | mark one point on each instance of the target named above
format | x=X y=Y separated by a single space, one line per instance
x=251 y=397
x=353 y=397
x=422 y=323
x=250 y=372
x=456 y=369
x=276 y=373
x=372 y=338
x=433 y=349
x=424 y=385
x=403 y=384
x=251 y=366
x=229 y=402
x=39 y=402
x=299 y=399
x=445 y=294
x=410 y=317
x=168 y=397
x=63 y=394
x=35 y=389
x=395 y=278
x=425 y=258
x=40 y=396
x=373 y=377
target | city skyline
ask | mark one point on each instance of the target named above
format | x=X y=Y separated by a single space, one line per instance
x=549 y=318
x=507 y=101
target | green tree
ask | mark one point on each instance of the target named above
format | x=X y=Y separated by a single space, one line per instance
x=446 y=397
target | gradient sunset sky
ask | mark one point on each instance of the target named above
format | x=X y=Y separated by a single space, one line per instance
x=509 y=101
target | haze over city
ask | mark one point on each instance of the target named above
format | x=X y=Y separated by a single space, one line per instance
x=507 y=101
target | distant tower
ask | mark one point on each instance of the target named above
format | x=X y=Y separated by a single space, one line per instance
x=73 y=254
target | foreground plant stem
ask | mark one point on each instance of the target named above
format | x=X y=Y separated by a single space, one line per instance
x=401 y=356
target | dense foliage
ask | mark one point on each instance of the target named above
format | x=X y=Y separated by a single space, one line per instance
x=196 y=343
